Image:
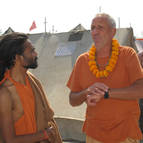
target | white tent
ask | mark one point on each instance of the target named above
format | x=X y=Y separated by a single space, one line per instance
x=57 y=55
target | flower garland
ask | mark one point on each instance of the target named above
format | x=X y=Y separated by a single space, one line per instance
x=111 y=63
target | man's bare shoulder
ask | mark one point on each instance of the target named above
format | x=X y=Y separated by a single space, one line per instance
x=5 y=92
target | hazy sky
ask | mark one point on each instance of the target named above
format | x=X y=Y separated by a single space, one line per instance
x=66 y=14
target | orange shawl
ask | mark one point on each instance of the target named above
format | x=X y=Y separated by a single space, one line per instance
x=37 y=112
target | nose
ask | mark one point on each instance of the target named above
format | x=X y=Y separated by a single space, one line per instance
x=35 y=54
x=95 y=31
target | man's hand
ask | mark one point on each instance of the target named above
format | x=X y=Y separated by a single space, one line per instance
x=97 y=87
x=96 y=93
x=51 y=134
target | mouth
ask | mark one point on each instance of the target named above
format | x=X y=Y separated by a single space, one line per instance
x=36 y=59
x=96 y=37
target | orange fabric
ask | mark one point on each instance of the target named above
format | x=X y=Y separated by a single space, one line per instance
x=111 y=120
x=27 y=123
x=128 y=140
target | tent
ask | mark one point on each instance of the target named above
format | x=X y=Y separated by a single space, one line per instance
x=57 y=55
x=139 y=44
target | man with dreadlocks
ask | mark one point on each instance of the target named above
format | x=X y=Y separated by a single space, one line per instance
x=25 y=115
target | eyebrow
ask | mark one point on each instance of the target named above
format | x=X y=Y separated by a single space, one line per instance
x=33 y=49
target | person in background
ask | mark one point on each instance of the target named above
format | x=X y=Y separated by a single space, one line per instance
x=25 y=114
x=140 y=55
x=109 y=79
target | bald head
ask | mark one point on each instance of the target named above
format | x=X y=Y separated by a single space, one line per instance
x=109 y=19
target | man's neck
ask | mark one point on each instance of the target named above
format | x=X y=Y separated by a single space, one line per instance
x=18 y=74
x=104 y=52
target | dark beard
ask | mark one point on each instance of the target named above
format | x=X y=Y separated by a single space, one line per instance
x=34 y=65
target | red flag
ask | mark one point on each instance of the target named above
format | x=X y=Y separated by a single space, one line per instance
x=33 y=26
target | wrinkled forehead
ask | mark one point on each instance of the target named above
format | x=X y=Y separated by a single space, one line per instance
x=100 y=19
x=28 y=44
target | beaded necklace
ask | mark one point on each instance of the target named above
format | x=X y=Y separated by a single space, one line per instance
x=111 y=63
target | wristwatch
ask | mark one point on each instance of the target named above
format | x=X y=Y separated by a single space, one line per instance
x=106 y=95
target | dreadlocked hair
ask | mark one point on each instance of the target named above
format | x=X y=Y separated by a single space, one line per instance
x=10 y=46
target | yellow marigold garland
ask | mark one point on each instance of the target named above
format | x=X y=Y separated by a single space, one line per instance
x=111 y=64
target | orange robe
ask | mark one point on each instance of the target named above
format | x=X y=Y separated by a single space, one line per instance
x=27 y=123
x=38 y=114
x=111 y=120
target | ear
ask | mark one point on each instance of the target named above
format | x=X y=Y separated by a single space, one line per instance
x=18 y=58
x=113 y=32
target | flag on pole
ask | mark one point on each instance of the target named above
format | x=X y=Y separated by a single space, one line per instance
x=33 y=26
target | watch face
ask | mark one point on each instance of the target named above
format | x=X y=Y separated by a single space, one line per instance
x=106 y=95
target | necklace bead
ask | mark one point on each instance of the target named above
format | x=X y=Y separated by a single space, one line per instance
x=93 y=66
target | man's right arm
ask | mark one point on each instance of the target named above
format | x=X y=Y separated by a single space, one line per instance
x=77 y=98
x=7 y=124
